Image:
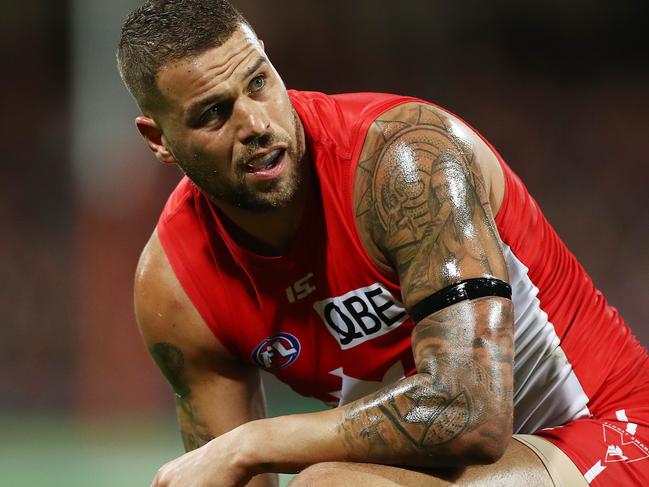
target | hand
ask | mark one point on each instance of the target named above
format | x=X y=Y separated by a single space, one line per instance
x=213 y=465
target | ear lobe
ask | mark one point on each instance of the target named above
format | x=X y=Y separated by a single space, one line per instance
x=154 y=139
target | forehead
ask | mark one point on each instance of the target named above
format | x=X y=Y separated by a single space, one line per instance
x=191 y=77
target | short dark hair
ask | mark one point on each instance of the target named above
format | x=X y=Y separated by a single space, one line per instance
x=163 y=31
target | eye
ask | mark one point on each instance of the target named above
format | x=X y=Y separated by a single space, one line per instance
x=257 y=83
x=213 y=112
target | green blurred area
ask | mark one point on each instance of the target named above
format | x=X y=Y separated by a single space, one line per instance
x=57 y=451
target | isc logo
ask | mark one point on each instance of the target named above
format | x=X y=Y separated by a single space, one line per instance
x=300 y=289
x=360 y=315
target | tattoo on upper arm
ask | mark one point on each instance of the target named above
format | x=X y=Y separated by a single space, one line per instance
x=171 y=361
x=424 y=203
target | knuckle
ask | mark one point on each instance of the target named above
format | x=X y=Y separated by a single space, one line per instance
x=160 y=478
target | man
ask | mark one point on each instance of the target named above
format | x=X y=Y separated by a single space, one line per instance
x=343 y=243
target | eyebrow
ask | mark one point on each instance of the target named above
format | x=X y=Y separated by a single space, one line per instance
x=254 y=67
x=197 y=107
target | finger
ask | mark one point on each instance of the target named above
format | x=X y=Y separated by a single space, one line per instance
x=157 y=480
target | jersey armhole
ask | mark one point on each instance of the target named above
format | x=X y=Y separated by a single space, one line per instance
x=174 y=251
x=499 y=217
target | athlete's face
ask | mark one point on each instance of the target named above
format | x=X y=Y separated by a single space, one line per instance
x=227 y=121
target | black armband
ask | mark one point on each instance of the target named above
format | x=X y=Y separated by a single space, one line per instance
x=468 y=289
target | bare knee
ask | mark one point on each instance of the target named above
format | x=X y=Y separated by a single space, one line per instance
x=346 y=474
x=317 y=475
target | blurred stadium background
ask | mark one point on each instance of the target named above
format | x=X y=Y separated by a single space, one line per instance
x=560 y=88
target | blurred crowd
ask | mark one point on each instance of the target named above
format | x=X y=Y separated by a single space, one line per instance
x=559 y=88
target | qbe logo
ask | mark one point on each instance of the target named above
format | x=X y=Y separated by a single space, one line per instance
x=361 y=315
x=276 y=352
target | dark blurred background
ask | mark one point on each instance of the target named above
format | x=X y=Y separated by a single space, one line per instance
x=559 y=88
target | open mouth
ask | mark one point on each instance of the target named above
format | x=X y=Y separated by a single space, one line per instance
x=265 y=163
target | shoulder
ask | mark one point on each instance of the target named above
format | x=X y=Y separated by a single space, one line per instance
x=342 y=119
x=164 y=312
x=428 y=126
x=404 y=142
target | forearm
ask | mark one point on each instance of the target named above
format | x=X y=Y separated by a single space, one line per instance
x=456 y=411
x=288 y=444
x=428 y=423
x=400 y=425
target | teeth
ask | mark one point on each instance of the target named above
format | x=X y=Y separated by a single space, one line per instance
x=265 y=161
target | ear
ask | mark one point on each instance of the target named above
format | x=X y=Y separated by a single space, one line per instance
x=154 y=139
x=261 y=43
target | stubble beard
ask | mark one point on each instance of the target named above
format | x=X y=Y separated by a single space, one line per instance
x=266 y=196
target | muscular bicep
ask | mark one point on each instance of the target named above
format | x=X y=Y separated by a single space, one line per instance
x=213 y=392
x=422 y=205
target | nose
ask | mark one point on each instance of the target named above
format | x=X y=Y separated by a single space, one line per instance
x=253 y=120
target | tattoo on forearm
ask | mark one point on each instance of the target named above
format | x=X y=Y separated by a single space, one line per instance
x=430 y=413
x=171 y=361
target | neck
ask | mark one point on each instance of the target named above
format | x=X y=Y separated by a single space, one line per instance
x=272 y=232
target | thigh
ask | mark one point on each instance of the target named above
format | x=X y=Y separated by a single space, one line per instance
x=519 y=466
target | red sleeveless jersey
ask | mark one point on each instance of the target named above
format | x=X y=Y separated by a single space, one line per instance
x=329 y=323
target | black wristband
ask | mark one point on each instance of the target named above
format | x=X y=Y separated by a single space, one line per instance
x=468 y=289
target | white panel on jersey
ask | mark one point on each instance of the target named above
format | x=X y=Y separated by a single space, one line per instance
x=547 y=392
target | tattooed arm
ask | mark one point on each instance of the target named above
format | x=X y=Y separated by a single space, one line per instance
x=213 y=393
x=423 y=208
